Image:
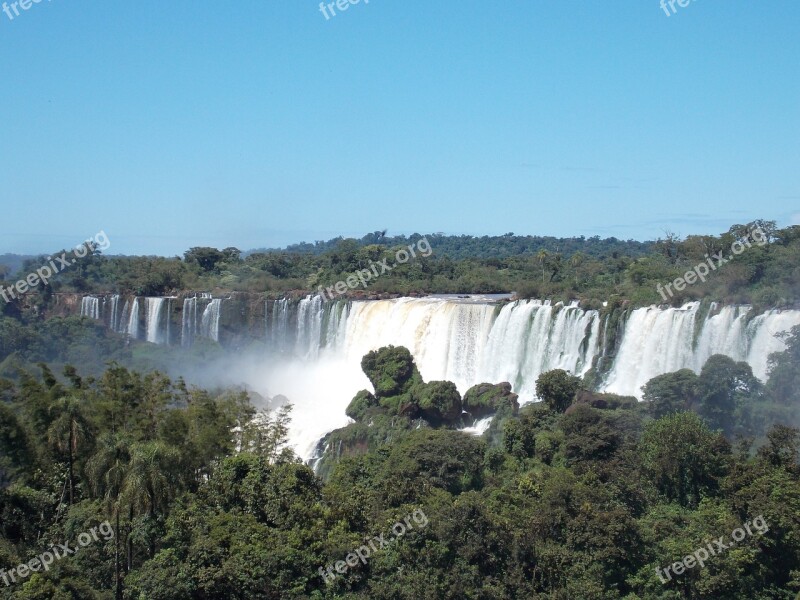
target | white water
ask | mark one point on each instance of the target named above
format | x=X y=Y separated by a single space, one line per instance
x=278 y=325
x=309 y=327
x=157 y=330
x=111 y=308
x=133 y=320
x=209 y=322
x=189 y=321
x=658 y=341
x=480 y=426
x=456 y=340
x=465 y=341
x=470 y=343
x=90 y=307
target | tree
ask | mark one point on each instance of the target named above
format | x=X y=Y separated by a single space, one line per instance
x=683 y=457
x=266 y=435
x=151 y=477
x=588 y=435
x=207 y=258
x=671 y=393
x=725 y=386
x=575 y=261
x=783 y=385
x=557 y=389
x=541 y=256
x=231 y=254
x=782 y=448
x=107 y=471
x=16 y=453
x=67 y=433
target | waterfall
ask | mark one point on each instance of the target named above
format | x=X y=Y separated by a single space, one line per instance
x=657 y=341
x=473 y=340
x=133 y=319
x=278 y=325
x=480 y=426
x=189 y=321
x=123 y=322
x=468 y=343
x=155 y=327
x=90 y=307
x=761 y=339
x=306 y=327
x=111 y=308
x=309 y=327
x=335 y=323
x=316 y=347
x=168 y=338
x=209 y=322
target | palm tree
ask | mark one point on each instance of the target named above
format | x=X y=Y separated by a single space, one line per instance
x=575 y=261
x=150 y=482
x=106 y=471
x=67 y=432
x=134 y=478
x=148 y=485
x=542 y=257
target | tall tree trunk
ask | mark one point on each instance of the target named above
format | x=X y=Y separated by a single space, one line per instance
x=71 y=488
x=153 y=518
x=117 y=578
x=129 y=540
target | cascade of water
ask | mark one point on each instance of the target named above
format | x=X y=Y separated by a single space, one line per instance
x=480 y=426
x=468 y=343
x=168 y=338
x=309 y=327
x=154 y=317
x=760 y=337
x=126 y=315
x=657 y=341
x=90 y=307
x=111 y=308
x=133 y=320
x=722 y=333
x=335 y=320
x=189 y=321
x=530 y=337
x=278 y=325
x=209 y=322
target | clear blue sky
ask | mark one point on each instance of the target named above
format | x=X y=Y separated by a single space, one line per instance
x=249 y=124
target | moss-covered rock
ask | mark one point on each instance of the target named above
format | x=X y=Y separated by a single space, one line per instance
x=361 y=404
x=600 y=400
x=391 y=370
x=439 y=402
x=487 y=399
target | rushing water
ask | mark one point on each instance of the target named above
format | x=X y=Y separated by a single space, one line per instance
x=314 y=348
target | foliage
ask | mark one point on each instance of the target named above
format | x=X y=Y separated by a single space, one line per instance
x=593 y=270
x=557 y=389
x=584 y=501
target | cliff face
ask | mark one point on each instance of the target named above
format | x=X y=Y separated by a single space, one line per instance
x=234 y=319
x=65 y=305
x=463 y=340
x=240 y=318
